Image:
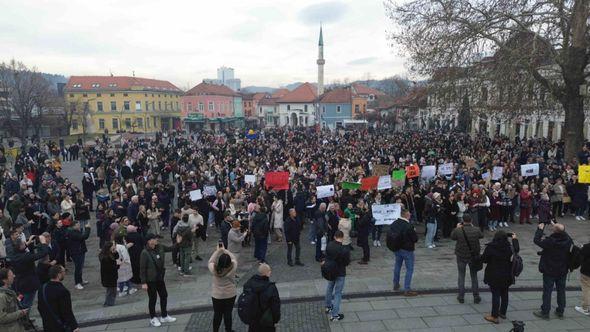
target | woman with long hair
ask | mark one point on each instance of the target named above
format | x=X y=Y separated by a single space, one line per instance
x=222 y=266
x=109 y=264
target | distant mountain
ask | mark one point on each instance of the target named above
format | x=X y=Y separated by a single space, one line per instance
x=54 y=79
x=257 y=89
x=292 y=86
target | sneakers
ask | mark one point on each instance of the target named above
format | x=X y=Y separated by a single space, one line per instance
x=460 y=299
x=79 y=287
x=122 y=294
x=578 y=218
x=167 y=319
x=132 y=291
x=155 y=322
x=541 y=315
x=336 y=318
x=84 y=283
x=299 y=264
x=582 y=218
x=430 y=246
x=328 y=310
x=396 y=287
x=582 y=310
x=477 y=299
x=559 y=315
x=374 y=243
x=378 y=243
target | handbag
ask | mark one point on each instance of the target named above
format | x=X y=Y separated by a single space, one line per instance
x=53 y=315
x=476 y=262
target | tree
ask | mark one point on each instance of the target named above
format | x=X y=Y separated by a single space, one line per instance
x=27 y=93
x=464 y=119
x=540 y=41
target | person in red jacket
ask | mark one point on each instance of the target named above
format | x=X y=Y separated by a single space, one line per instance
x=526 y=203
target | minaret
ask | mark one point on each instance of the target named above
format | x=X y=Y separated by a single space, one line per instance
x=321 y=63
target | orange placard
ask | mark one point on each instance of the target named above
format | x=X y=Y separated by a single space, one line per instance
x=412 y=171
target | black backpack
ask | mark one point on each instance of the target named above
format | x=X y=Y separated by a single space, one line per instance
x=330 y=269
x=575 y=258
x=249 y=306
x=517 y=265
x=394 y=239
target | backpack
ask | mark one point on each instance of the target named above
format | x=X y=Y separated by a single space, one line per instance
x=330 y=269
x=394 y=239
x=574 y=260
x=249 y=306
x=517 y=265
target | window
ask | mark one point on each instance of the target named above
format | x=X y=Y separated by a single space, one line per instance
x=305 y=108
x=211 y=106
x=288 y=107
x=338 y=109
x=101 y=124
x=113 y=105
x=323 y=109
x=260 y=110
x=356 y=108
x=371 y=97
x=112 y=94
x=177 y=106
x=125 y=95
x=99 y=95
x=72 y=107
x=147 y=106
x=95 y=85
x=74 y=124
x=71 y=95
x=139 y=122
x=153 y=105
x=190 y=106
x=138 y=105
x=159 y=105
x=127 y=123
x=126 y=106
x=338 y=124
x=99 y=106
x=115 y=123
x=147 y=122
x=145 y=94
x=77 y=85
x=84 y=95
x=112 y=85
x=201 y=107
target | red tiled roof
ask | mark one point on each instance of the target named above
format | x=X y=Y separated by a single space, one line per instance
x=279 y=93
x=110 y=83
x=305 y=93
x=337 y=96
x=267 y=102
x=259 y=96
x=211 y=89
x=365 y=90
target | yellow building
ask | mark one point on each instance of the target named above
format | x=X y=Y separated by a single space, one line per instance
x=99 y=104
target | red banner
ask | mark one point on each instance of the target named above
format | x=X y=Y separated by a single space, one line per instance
x=369 y=183
x=276 y=180
x=412 y=171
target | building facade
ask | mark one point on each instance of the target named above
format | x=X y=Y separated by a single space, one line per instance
x=100 y=104
x=225 y=76
x=212 y=107
x=298 y=108
x=335 y=107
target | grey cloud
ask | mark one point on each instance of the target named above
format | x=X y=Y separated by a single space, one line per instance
x=326 y=12
x=362 y=61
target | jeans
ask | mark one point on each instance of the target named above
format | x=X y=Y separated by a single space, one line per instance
x=548 y=282
x=185 y=259
x=377 y=230
x=334 y=295
x=311 y=234
x=110 y=296
x=122 y=285
x=499 y=301
x=430 y=232
x=155 y=289
x=318 y=247
x=585 y=283
x=402 y=256
x=290 y=251
x=78 y=266
x=28 y=299
x=260 y=246
x=580 y=211
x=462 y=266
x=222 y=310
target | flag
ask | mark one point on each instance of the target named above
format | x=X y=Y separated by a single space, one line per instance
x=412 y=171
x=251 y=134
x=369 y=183
x=276 y=180
x=350 y=185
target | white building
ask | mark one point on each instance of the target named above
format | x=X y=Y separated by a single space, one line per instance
x=225 y=76
x=298 y=108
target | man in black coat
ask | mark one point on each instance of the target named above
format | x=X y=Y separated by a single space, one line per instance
x=260 y=227
x=554 y=266
x=292 y=233
x=340 y=254
x=269 y=299
x=363 y=226
x=406 y=253
x=54 y=301
x=321 y=229
x=23 y=263
x=76 y=245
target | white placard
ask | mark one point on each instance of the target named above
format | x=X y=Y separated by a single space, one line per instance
x=196 y=195
x=385 y=214
x=428 y=172
x=250 y=178
x=325 y=191
x=445 y=169
x=209 y=191
x=384 y=182
x=485 y=175
x=497 y=173
x=529 y=170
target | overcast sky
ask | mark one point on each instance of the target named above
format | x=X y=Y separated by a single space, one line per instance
x=267 y=42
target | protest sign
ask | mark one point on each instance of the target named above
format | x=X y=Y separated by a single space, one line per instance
x=445 y=169
x=196 y=195
x=428 y=171
x=412 y=171
x=497 y=173
x=350 y=185
x=325 y=191
x=380 y=170
x=584 y=173
x=250 y=178
x=485 y=175
x=209 y=191
x=529 y=170
x=385 y=214
x=276 y=180
x=369 y=183
x=398 y=178
x=384 y=182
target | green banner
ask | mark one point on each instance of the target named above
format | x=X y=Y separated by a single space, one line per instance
x=399 y=175
x=350 y=185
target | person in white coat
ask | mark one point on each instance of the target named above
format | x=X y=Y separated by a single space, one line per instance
x=125 y=272
x=277 y=218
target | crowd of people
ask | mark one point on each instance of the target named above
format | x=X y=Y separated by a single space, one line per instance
x=182 y=189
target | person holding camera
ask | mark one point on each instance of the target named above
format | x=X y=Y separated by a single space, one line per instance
x=498 y=273
x=467 y=246
x=223 y=265
x=554 y=266
x=11 y=316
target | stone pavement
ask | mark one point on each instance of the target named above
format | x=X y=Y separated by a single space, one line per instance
x=435 y=270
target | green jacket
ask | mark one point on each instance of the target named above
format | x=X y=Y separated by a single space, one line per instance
x=10 y=314
x=152 y=265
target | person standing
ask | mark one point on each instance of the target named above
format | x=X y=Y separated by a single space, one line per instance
x=585 y=280
x=405 y=254
x=235 y=238
x=321 y=229
x=152 y=269
x=363 y=226
x=109 y=264
x=292 y=233
x=223 y=265
x=55 y=303
x=268 y=298
x=23 y=262
x=554 y=267
x=10 y=313
x=526 y=205
x=76 y=245
x=339 y=253
x=498 y=273
x=260 y=228
x=467 y=246
x=277 y=218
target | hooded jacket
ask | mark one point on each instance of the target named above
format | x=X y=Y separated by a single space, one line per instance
x=269 y=298
x=555 y=254
x=9 y=312
x=497 y=256
x=223 y=283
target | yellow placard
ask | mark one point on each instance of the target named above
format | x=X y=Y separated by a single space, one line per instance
x=584 y=173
